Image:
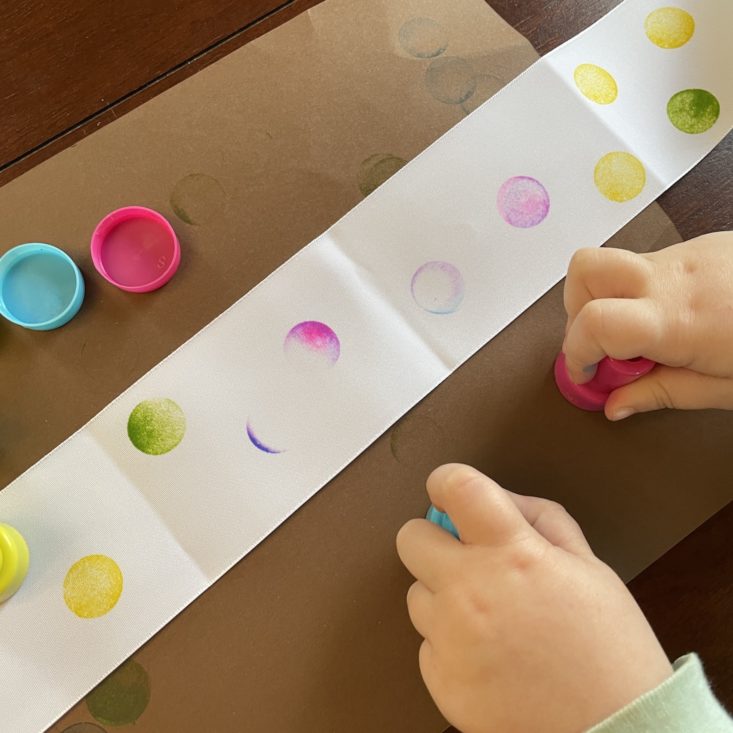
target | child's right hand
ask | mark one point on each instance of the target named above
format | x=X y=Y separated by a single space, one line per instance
x=674 y=306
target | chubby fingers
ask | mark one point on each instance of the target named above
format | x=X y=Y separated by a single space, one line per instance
x=420 y=608
x=481 y=510
x=553 y=522
x=617 y=327
x=604 y=272
x=428 y=552
x=484 y=513
x=670 y=387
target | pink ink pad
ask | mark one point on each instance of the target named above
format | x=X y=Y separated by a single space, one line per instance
x=610 y=375
x=136 y=249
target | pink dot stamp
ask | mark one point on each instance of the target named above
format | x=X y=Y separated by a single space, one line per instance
x=135 y=249
x=610 y=375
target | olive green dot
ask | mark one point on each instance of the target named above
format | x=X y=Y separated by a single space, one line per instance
x=376 y=169
x=156 y=426
x=198 y=198
x=122 y=697
x=693 y=110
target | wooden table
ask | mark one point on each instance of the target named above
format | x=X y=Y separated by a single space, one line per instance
x=56 y=87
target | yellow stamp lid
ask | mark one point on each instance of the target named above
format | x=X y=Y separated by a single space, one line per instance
x=14 y=558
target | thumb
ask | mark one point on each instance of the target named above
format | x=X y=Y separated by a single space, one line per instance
x=483 y=512
x=553 y=522
x=681 y=389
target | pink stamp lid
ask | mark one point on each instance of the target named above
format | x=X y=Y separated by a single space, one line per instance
x=136 y=249
x=610 y=375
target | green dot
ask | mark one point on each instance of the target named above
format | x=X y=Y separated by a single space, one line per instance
x=423 y=38
x=450 y=79
x=376 y=169
x=156 y=426
x=122 y=697
x=693 y=110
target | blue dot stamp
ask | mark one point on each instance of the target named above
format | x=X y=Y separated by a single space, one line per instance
x=442 y=520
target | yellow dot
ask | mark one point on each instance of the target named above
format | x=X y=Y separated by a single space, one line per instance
x=669 y=27
x=619 y=176
x=596 y=83
x=93 y=586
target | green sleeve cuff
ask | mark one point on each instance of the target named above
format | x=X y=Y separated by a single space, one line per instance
x=684 y=703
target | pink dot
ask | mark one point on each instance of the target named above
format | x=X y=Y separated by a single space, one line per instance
x=313 y=342
x=523 y=201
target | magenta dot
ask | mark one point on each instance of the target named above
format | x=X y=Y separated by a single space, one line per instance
x=523 y=201
x=312 y=342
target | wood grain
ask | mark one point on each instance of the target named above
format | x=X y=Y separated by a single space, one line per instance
x=68 y=67
x=687 y=596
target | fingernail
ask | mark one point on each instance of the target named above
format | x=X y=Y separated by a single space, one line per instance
x=622 y=414
x=586 y=374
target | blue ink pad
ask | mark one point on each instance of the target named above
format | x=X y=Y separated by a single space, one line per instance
x=442 y=520
x=40 y=286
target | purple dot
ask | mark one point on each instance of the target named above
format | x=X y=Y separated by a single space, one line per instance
x=312 y=343
x=523 y=201
x=258 y=443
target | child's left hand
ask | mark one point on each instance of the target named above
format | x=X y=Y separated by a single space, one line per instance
x=525 y=629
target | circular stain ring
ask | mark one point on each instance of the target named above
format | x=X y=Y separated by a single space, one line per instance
x=423 y=38
x=135 y=249
x=450 y=79
x=122 y=697
x=437 y=287
x=33 y=268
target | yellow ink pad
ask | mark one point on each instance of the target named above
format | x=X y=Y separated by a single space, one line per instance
x=14 y=558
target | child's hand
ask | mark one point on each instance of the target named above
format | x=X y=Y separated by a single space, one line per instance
x=674 y=306
x=525 y=629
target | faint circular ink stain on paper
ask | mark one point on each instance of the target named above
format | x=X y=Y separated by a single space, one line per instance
x=258 y=443
x=312 y=344
x=423 y=38
x=619 y=176
x=418 y=441
x=376 y=169
x=121 y=698
x=595 y=83
x=486 y=86
x=156 y=426
x=523 y=201
x=669 y=27
x=197 y=198
x=438 y=287
x=83 y=728
x=693 y=110
x=450 y=79
x=93 y=586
